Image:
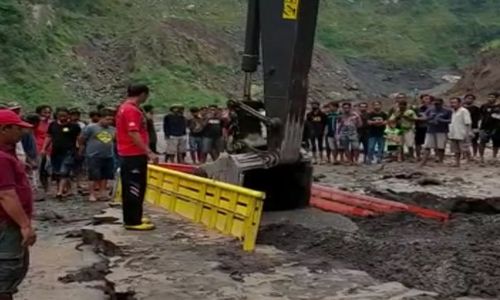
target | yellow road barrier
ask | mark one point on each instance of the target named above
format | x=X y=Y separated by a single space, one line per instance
x=229 y=209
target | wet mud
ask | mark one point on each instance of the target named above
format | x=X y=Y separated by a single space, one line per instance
x=456 y=259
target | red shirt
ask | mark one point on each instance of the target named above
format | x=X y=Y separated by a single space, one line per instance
x=13 y=177
x=130 y=118
x=40 y=133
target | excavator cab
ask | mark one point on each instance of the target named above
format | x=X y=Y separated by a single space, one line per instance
x=266 y=150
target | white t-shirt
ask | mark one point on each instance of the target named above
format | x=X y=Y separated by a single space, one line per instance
x=460 y=124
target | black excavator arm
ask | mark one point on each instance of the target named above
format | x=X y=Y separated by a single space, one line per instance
x=284 y=31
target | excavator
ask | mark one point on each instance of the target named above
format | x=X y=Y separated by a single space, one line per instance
x=280 y=33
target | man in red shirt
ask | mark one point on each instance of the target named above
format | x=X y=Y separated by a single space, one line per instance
x=16 y=207
x=133 y=147
x=40 y=132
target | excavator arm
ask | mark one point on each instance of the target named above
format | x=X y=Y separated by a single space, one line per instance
x=284 y=30
x=281 y=34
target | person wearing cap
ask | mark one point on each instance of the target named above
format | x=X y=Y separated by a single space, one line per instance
x=174 y=128
x=16 y=207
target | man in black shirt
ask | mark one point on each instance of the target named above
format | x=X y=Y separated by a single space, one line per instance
x=196 y=124
x=421 y=124
x=213 y=142
x=62 y=136
x=317 y=123
x=490 y=125
x=475 y=114
x=376 y=128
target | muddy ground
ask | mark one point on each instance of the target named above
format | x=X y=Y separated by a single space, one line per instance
x=304 y=254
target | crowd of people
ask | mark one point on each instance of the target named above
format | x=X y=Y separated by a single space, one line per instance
x=64 y=149
x=340 y=133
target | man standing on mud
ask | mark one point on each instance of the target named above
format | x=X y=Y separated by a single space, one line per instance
x=133 y=147
x=460 y=129
x=420 y=124
x=363 y=130
x=317 y=123
x=175 y=130
x=16 y=207
x=405 y=120
x=475 y=114
x=490 y=126
x=438 y=119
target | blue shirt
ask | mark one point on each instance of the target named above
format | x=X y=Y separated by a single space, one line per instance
x=29 y=146
x=174 y=125
x=331 y=124
x=438 y=119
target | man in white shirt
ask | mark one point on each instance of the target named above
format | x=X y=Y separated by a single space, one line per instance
x=460 y=129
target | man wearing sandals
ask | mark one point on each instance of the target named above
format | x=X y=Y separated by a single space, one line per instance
x=62 y=135
x=133 y=147
x=96 y=145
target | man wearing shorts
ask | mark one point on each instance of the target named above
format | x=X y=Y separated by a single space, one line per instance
x=377 y=120
x=405 y=120
x=16 y=207
x=363 y=130
x=212 y=142
x=347 y=132
x=331 y=131
x=317 y=123
x=438 y=119
x=460 y=129
x=96 y=145
x=421 y=125
x=174 y=128
x=490 y=126
x=62 y=135
x=475 y=114
x=196 y=126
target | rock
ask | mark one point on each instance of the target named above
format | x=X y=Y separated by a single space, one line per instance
x=318 y=177
x=49 y=216
x=73 y=234
x=104 y=219
x=236 y=276
x=179 y=235
x=457 y=180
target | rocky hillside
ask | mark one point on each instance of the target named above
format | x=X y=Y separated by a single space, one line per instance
x=80 y=52
x=481 y=77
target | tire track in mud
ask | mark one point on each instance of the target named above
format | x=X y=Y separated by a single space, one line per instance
x=460 y=258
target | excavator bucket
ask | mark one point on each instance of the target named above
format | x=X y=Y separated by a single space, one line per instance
x=287 y=186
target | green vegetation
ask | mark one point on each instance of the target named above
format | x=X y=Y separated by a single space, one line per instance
x=411 y=32
x=38 y=61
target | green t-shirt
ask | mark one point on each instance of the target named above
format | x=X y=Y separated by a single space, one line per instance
x=406 y=121
x=393 y=136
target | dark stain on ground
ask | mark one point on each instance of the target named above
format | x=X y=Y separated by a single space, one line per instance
x=96 y=272
x=458 y=204
x=459 y=258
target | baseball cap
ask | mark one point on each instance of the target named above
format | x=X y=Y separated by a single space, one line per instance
x=13 y=105
x=8 y=117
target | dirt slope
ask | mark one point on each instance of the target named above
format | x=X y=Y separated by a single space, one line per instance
x=482 y=77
